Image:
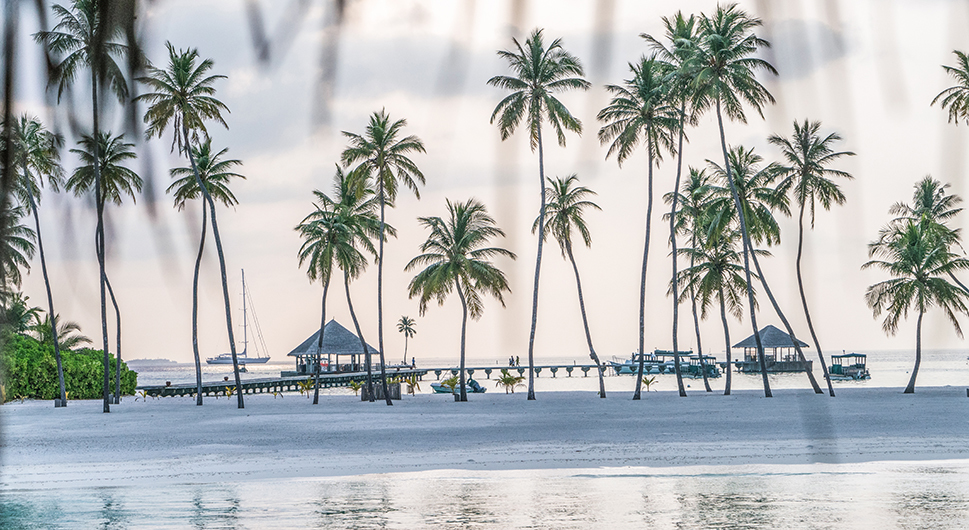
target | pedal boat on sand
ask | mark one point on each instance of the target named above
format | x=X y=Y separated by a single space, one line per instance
x=471 y=387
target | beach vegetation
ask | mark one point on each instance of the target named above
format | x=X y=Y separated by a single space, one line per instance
x=807 y=177
x=304 y=387
x=456 y=258
x=509 y=381
x=649 y=381
x=564 y=218
x=68 y=335
x=37 y=152
x=450 y=383
x=28 y=368
x=16 y=246
x=916 y=249
x=725 y=79
x=86 y=37
x=758 y=200
x=955 y=99
x=682 y=34
x=182 y=96
x=641 y=112
x=383 y=160
x=406 y=326
x=355 y=386
x=116 y=181
x=538 y=73
x=215 y=172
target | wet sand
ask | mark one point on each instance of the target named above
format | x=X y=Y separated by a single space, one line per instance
x=170 y=440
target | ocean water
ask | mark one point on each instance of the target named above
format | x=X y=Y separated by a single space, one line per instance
x=875 y=495
x=888 y=369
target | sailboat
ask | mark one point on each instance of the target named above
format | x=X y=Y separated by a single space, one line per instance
x=243 y=357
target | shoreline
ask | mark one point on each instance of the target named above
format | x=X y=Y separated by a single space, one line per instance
x=170 y=440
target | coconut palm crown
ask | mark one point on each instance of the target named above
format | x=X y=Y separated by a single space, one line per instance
x=955 y=99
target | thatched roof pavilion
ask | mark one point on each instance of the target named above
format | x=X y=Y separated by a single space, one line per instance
x=772 y=339
x=337 y=341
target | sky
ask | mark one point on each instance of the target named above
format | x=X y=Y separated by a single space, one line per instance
x=843 y=63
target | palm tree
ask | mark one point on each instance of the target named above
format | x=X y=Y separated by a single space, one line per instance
x=16 y=314
x=692 y=218
x=725 y=77
x=806 y=176
x=215 y=173
x=85 y=37
x=116 y=182
x=182 y=96
x=716 y=273
x=641 y=111
x=38 y=152
x=956 y=98
x=331 y=235
x=68 y=333
x=382 y=156
x=566 y=201
x=931 y=203
x=759 y=201
x=406 y=326
x=538 y=73
x=455 y=258
x=682 y=35
x=917 y=257
x=16 y=245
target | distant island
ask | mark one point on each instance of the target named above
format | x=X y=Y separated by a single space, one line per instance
x=151 y=361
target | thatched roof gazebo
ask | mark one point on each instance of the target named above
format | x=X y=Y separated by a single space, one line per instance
x=772 y=339
x=337 y=341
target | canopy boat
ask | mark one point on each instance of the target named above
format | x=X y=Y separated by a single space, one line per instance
x=471 y=387
x=695 y=369
x=243 y=357
x=657 y=362
x=849 y=367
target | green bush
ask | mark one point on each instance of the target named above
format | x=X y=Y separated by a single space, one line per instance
x=28 y=369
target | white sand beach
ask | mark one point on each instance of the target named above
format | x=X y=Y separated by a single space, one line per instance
x=170 y=440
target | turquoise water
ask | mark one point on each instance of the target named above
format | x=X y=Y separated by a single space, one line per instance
x=883 y=495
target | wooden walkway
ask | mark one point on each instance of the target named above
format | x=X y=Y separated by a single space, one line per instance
x=269 y=385
x=488 y=370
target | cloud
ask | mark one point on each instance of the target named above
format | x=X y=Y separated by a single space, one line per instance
x=802 y=46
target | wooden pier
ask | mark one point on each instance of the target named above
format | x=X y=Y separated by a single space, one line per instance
x=489 y=370
x=269 y=385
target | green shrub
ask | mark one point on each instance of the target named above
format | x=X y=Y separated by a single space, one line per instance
x=29 y=369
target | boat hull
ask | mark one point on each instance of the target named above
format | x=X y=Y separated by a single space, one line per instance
x=242 y=360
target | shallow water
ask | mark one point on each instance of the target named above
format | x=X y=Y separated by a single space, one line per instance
x=888 y=369
x=904 y=495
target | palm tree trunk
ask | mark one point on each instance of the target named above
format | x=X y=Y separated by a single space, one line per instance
x=363 y=342
x=676 y=291
x=585 y=320
x=319 y=343
x=726 y=339
x=195 y=311
x=117 y=364
x=405 y=347
x=910 y=389
x=696 y=318
x=538 y=269
x=642 y=283
x=464 y=328
x=380 y=298
x=62 y=390
x=746 y=242
x=807 y=314
x=100 y=237
x=787 y=325
x=225 y=283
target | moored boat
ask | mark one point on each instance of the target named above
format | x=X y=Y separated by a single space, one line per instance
x=849 y=367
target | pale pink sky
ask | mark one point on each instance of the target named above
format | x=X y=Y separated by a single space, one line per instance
x=844 y=63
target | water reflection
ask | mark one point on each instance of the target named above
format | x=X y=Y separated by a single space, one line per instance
x=870 y=495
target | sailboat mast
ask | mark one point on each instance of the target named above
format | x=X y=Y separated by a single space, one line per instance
x=245 y=336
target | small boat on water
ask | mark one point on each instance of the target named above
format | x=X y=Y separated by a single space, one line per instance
x=243 y=357
x=849 y=367
x=663 y=362
x=471 y=387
